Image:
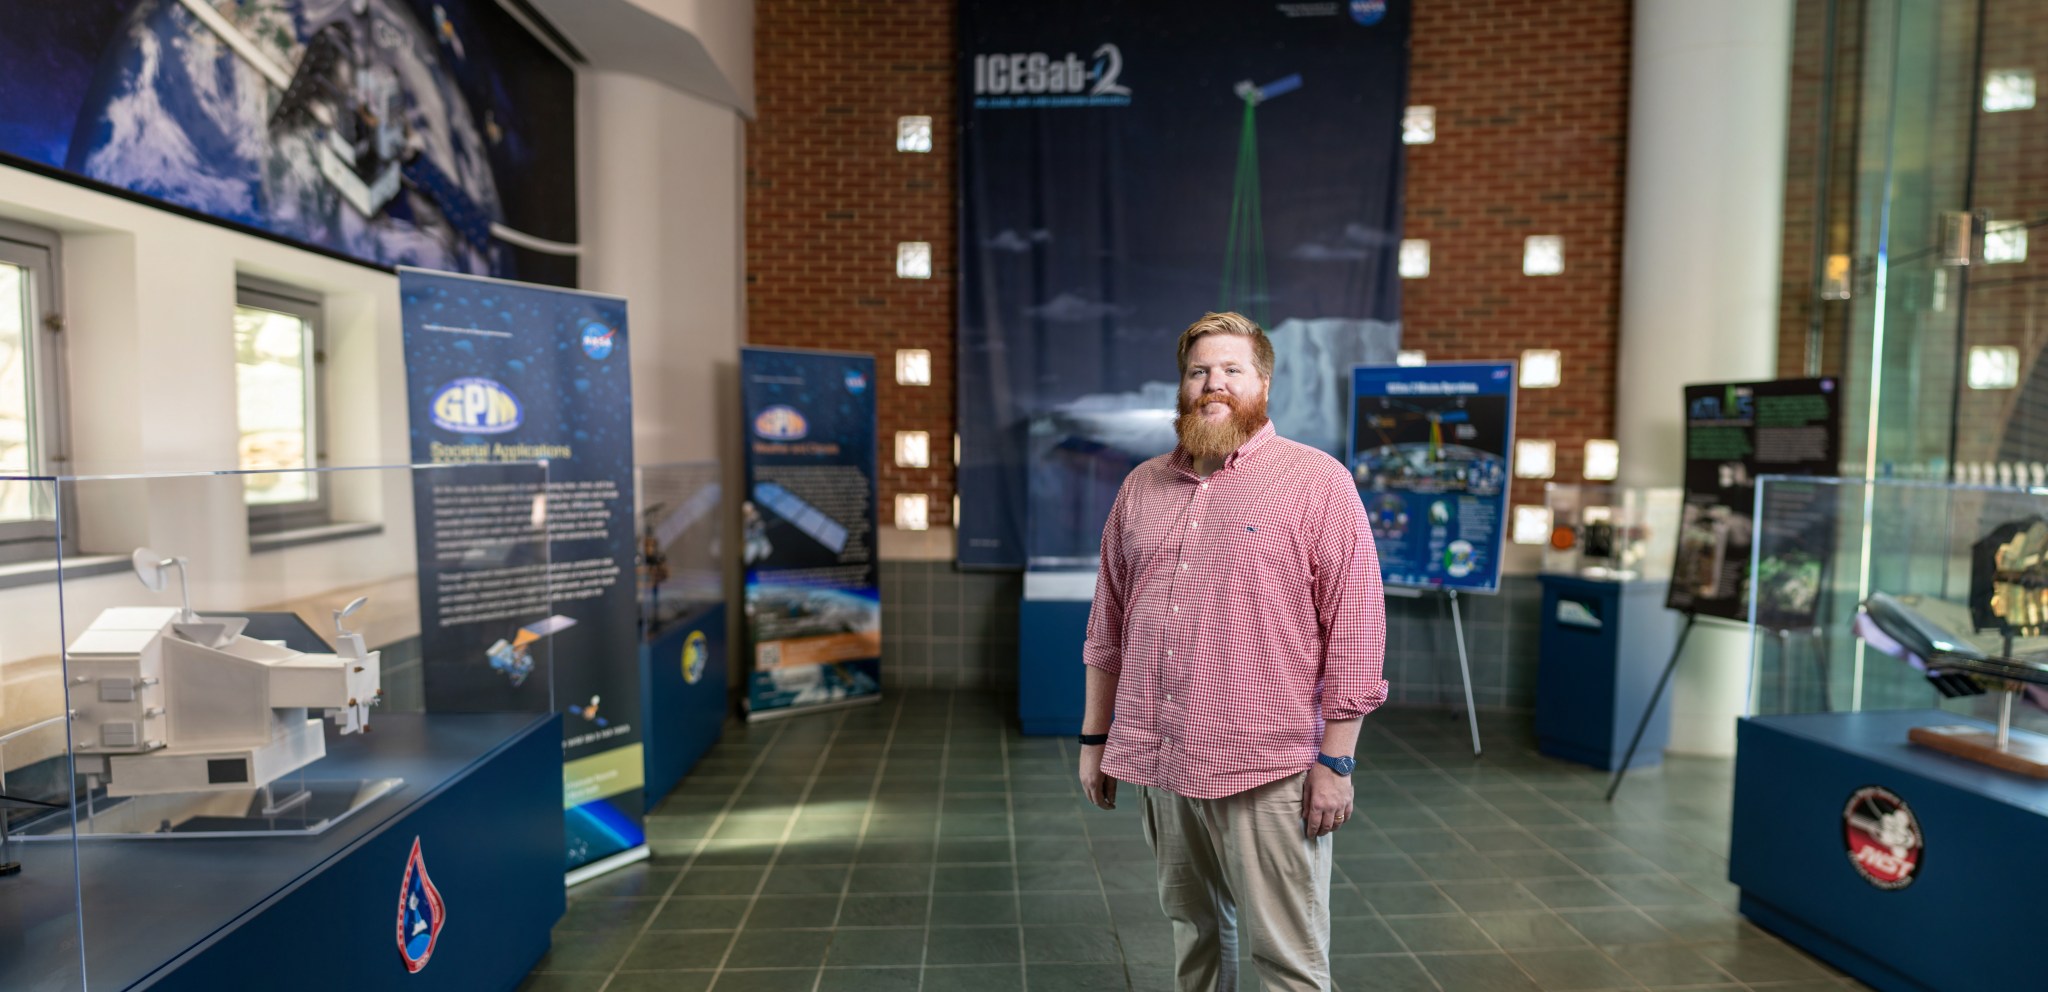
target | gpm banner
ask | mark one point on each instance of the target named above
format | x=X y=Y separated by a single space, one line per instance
x=496 y=372
x=813 y=596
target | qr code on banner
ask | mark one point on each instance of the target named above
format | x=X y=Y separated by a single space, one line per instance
x=768 y=657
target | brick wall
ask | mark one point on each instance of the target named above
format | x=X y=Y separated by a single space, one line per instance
x=1532 y=114
x=829 y=197
x=1532 y=120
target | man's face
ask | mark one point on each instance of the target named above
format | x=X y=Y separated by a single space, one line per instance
x=1222 y=396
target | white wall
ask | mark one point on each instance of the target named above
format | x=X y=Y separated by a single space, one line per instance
x=148 y=302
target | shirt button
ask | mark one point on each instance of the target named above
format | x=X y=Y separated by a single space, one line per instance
x=1183 y=566
x=1192 y=525
x=1176 y=609
x=1205 y=485
x=1169 y=652
x=1169 y=697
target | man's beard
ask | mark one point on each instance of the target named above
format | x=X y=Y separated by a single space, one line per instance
x=1203 y=438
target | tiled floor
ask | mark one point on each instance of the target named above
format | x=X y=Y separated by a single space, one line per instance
x=922 y=844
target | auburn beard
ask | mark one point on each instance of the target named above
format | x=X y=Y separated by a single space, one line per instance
x=1204 y=438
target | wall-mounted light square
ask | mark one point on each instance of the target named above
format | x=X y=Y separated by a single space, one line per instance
x=1994 y=366
x=913 y=134
x=956 y=449
x=1603 y=460
x=1411 y=359
x=1414 y=258
x=911 y=511
x=1834 y=280
x=2005 y=241
x=1543 y=255
x=956 y=511
x=1531 y=525
x=1535 y=458
x=913 y=449
x=1418 y=125
x=913 y=260
x=1541 y=368
x=913 y=367
x=2008 y=89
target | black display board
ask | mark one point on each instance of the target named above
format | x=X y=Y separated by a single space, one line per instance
x=1735 y=432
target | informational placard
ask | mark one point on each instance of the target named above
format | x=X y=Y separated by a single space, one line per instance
x=1430 y=450
x=1735 y=432
x=440 y=134
x=813 y=585
x=1125 y=167
x=500 y=371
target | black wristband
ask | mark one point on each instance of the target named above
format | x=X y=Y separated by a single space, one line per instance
x=1094 y=740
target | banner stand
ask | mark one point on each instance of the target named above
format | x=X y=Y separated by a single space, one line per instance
x=766 y=715
x=1457 y=631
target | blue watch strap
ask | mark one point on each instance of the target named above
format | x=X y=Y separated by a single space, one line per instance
x=1342 y=766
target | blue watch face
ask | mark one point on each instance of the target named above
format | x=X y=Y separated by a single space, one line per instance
x=1341 y=766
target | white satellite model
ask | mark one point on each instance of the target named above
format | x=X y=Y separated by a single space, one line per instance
x=167 y=701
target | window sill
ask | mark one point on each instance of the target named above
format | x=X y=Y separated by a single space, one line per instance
x=29 y=573
x=300 y=536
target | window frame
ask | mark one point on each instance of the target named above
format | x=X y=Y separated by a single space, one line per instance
x=262 y=294
x=40 y=252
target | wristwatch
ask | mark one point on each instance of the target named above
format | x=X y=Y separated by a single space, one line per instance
x=1341 y=766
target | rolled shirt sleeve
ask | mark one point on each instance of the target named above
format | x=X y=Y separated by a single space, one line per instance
x=1351 y=607
x=1104 y=647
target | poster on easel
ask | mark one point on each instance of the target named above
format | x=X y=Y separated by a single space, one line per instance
x=501 y=371
x=1429 y=450
x=1735 y=432
x=813 y=581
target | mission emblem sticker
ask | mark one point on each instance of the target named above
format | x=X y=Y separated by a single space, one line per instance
x=1883 y=837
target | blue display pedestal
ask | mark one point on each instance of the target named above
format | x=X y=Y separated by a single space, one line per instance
x=482 y=799
x=1603 y=646
x=682 y=698
x=1052 y=622
x=1969 y=916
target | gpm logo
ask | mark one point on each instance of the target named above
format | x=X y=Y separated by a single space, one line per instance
x=475 y=405
x=781 y=423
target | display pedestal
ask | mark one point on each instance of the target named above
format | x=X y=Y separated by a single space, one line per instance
x=1968 y=913
x=482 y=798
x=682 y=698
x=1603 y=644
x=1052 y=625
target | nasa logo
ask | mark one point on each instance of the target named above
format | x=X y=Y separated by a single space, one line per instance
x=597 y=339
x=856 y=381
x=475 y=405
x=1368 y=12
x=421 y=913
x=696 y=648
x=781 y=423
x=1882 y=837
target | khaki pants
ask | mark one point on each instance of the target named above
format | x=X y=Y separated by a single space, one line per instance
x=1246 y=850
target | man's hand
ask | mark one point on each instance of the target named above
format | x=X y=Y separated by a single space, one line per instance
x=1325 y=799
x=1099 y=788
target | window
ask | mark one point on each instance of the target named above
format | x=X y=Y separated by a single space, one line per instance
x=278 y=381
x=31 y=381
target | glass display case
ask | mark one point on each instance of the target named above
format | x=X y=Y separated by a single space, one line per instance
x=1900 y=595
x=196 y=720
x=1611 y=532
x=681 y=519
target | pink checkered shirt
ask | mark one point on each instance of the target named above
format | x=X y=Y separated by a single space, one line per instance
x=1238 y=613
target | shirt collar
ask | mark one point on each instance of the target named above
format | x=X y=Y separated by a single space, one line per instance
x=1186 y=462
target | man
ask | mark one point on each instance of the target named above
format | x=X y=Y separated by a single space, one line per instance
x=1237 y=636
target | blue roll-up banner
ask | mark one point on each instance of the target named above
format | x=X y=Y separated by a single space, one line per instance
x=502 y=371
x=1430 y=449
x=1125 y=167
x=813 y=584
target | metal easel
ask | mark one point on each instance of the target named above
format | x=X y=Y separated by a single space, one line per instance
x=1458 y=631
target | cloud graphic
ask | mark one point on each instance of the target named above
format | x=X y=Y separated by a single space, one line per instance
x=1070 y=307
x=1009 y=240
x=1317 y=252
x=1370 y=237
